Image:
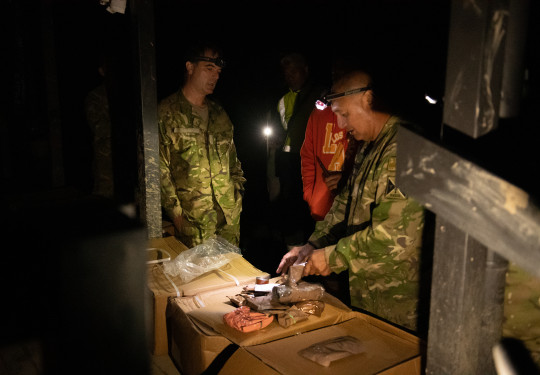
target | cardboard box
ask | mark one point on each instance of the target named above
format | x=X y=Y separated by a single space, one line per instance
x=161 y=286
x=388 y=351
x=192 y=347
x=199 y=340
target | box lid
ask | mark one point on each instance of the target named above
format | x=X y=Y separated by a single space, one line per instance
x=212 y=315
x=238 y=272
x=386 y=348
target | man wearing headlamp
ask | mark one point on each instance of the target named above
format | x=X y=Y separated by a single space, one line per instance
x=202 y=181
x=373 y=230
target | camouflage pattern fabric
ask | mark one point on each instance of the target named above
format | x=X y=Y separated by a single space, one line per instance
x=522 y=309
x=96 y=108
x=201 y=176
x=375 y=232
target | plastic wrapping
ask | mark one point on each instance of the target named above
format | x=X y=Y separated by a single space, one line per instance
x=331 y=350
x=210 y=255
x=291 y=316
x=311 y=307
x=295 y=274
x=245 y=320
x=301 y=292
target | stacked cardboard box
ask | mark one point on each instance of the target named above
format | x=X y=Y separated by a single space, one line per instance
x=201 y=341
x=162 y=286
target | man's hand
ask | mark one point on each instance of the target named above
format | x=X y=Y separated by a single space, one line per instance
x=316 y=264
x=297 y=254
x=331 y=180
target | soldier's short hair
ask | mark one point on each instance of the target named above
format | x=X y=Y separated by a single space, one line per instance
x=199 y=47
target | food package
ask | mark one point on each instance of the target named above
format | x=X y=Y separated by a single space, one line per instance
x=291 y=316
x=311 y=307
x=302 y=292
x=333 y=349
x=245 y=320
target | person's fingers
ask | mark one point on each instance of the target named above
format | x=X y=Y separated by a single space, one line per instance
x=281 y=266
x=285 y=263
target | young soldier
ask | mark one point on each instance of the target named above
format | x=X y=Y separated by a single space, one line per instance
x=201 y=176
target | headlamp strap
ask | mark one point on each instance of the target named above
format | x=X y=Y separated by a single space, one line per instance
x=218 y=60
x=346 y=93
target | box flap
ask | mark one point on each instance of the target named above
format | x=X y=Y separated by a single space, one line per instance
x=383 y=350
x=212 y=315
x=170 y=244
x=238 y=272
x=244 y=363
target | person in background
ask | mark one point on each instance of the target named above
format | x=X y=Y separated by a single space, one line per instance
x=322 y=158
x=373 y=230
x=202 y=181
x=326 y=160
x=285 y=179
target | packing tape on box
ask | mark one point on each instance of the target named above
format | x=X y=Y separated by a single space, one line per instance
x=155 y=261
x=163 y=260
x=231 y=276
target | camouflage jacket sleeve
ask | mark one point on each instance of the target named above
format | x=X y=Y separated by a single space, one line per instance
x=169 y=199
x=237 y=174
x=235 y=167
x=372 y=226
x=392 y=239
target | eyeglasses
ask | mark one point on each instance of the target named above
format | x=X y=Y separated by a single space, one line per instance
x=324 y=102
x=218 y=60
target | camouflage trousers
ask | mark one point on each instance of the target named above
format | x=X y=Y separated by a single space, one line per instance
x=397 y=304
x=194 y=232
x=522 y=309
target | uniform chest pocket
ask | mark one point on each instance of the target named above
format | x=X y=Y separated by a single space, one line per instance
x=223 y=148
x=187 y=143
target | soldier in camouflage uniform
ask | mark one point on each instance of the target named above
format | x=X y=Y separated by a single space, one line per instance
x=522 y=309
x=372 y=229
x=201 y=176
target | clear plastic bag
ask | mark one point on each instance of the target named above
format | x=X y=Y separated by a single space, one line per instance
x=208 y=256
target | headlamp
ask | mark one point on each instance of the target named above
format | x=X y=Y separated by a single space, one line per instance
x=217 y=61
x=324 y=102
x=321 y=104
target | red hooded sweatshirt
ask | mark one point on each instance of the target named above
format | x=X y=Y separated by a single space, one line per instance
x=325 y=140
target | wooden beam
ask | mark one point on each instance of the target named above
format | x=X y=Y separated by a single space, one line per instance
x=148 y=139
x=496 y=213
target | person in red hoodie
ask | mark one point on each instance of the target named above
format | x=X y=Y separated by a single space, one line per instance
x=325 y=161
x=322 y=157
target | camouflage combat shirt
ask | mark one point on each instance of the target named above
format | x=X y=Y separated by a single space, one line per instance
x=375 y=232
x=201 y=176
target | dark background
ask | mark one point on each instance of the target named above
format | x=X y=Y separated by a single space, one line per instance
x=71 y=37
x=54 y=48
x=50 y=56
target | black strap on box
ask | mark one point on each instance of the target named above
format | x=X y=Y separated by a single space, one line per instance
x=222 y=358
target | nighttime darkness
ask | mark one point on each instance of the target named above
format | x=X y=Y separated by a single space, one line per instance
x=464 y=76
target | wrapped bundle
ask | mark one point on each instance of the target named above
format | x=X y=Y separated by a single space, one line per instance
x=245 y=320
x=297 y=293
